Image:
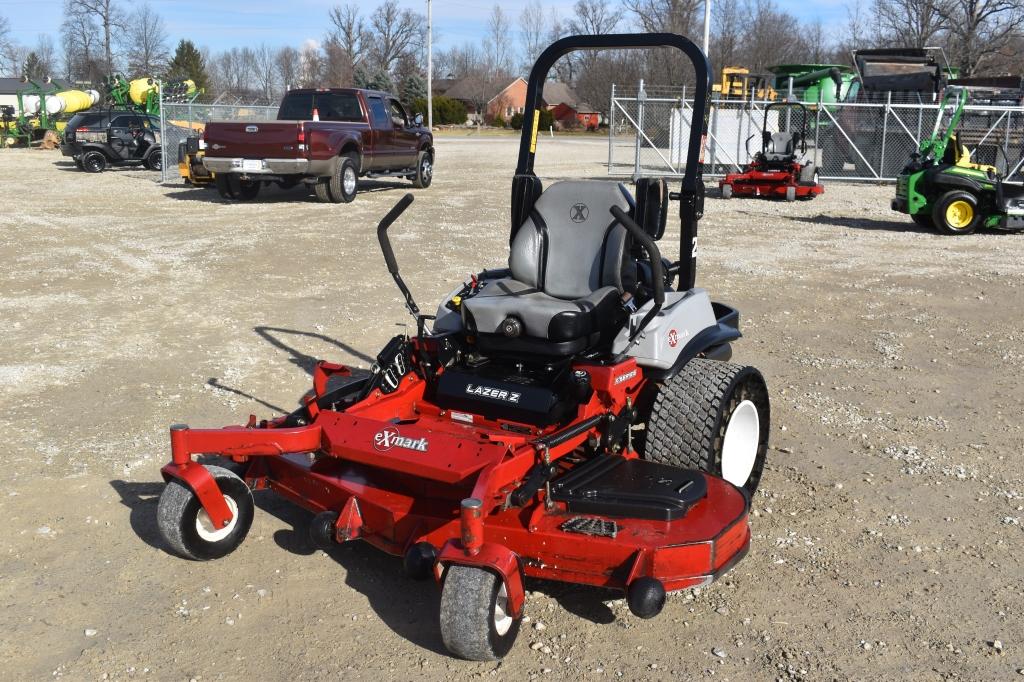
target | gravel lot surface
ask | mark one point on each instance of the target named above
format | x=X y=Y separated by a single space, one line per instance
x=888 y=531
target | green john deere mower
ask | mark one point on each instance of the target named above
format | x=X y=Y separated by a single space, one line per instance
x=940 y=187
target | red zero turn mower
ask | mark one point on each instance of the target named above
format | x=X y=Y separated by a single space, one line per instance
x=782 y=168
x=499 y=445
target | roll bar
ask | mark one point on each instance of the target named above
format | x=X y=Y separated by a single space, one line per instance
x=525 y=187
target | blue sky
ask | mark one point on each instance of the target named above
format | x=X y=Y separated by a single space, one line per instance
x=220 y=24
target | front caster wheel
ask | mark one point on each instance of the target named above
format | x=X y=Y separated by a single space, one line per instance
x=186 y=526
x=475 y=620
x=322 y=530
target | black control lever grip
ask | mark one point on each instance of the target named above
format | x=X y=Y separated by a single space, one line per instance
x=657 y=269
x=382 y=231
x=389 y=254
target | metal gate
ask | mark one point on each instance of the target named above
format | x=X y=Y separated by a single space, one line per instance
x=649 y=127
x=178 y=122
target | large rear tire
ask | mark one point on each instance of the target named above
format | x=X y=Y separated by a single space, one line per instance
x=713 y=416
x=186 y=526
x=956 y=213
x=475 y=621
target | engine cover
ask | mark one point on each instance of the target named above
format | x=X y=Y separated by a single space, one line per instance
x=497 y=395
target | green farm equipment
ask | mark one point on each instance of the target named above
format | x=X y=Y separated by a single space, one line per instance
x=940 y=187
x=143 y=94
x=816 y=83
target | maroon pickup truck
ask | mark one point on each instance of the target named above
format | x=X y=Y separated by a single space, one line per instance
x=324 y=138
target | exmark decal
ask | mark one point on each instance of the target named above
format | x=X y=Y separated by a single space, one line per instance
x=493 y=393
x=625 y=377
x=391 y=438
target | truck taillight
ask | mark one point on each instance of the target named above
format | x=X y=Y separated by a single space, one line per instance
x=301 y=135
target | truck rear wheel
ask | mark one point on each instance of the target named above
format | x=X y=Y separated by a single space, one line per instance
x=227 y=185
x=340 y=188
x=94 y=162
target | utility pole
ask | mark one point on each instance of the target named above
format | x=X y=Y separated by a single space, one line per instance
x=707 y=23
x=430 y=69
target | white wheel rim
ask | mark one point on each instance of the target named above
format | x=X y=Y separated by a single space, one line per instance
x=206 y=529
x=739 y=447
x=502 y=619
x=350 y=181
x=427 y=169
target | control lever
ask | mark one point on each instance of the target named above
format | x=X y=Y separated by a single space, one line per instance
x=389 y=254
x=657 y=270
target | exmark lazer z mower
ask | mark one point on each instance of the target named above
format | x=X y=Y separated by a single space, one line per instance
x=941 y=188
x=782 y=169
x=500 y=445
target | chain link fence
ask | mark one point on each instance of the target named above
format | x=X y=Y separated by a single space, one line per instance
x=649 y=127
x=178 y=122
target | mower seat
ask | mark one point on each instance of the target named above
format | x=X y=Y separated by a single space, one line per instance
x=780 y=147
x=569 y=266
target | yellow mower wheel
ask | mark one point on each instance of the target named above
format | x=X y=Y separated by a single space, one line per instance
x=956 y=213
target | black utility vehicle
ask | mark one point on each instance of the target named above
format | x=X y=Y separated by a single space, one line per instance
x=113 y=137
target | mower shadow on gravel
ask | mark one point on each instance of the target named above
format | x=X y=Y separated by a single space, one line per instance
x=870 y=224
x=298 y=358
x=407 y=607
x=141 y=498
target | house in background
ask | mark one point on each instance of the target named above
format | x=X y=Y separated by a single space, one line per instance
x=506 y=99
x=567 y=108
x=484 y=100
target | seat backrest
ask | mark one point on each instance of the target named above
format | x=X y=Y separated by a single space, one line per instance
x=570 y=245
x=781 y=144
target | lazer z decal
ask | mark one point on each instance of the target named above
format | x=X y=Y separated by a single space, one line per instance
x=493 y=393
x=389 y=438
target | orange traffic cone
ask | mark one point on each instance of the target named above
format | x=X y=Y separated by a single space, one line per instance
x=316 y=114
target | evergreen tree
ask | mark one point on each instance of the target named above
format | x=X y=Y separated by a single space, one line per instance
x=188 y=63
x=35 y=69
x=377 y=79
x=414 y=86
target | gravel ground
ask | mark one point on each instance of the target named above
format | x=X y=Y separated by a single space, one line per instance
x=887 y=532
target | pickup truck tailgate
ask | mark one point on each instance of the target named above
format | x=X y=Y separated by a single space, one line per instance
x=253 y=140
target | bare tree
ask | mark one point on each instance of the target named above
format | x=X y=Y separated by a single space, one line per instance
x=498 y=40
x=46 y=55
x=981 y=29
x=145 y=42
x=348 y=30
x=288 y=63
x=531 y=32
x=909 y=23
x=338 y=69
x=394 y=32
x=311 y=65
x=674 y=16
x=110 y=18
x=6 y=65
x=264 y=72
x=79 y=45
x=817 y=47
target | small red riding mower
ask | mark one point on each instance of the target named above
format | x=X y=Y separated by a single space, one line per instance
x=782 y=168
x=499 y=445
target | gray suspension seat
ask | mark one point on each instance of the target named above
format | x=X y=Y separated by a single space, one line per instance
x=781 y=147
x=568 y=268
